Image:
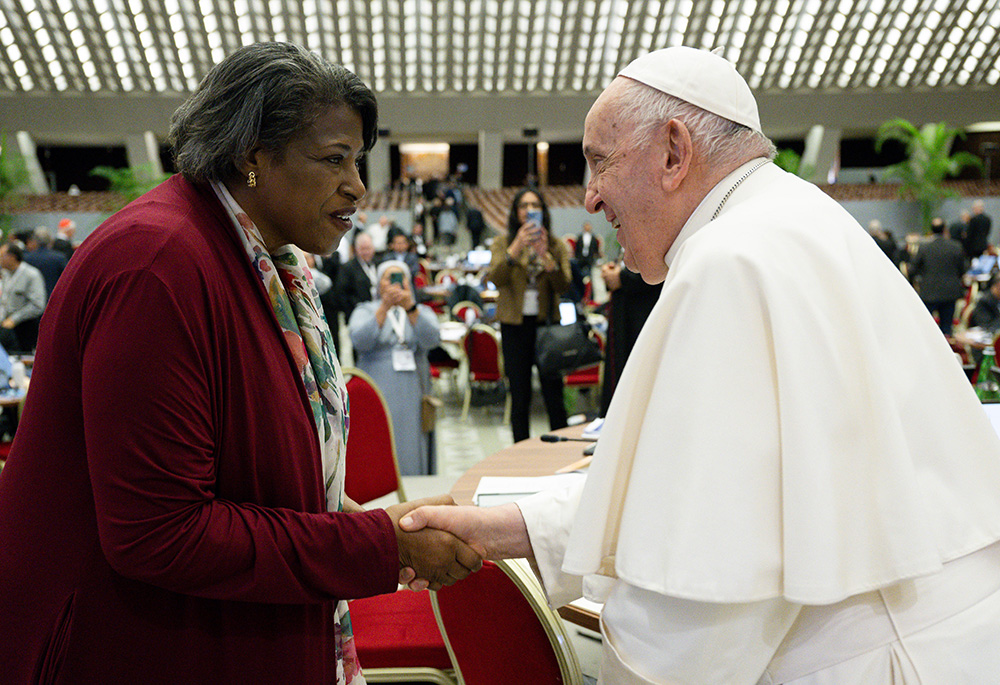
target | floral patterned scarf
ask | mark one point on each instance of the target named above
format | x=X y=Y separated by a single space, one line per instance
x=295 y=300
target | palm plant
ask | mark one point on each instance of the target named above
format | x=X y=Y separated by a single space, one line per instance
x=130 y=182
x=791 y=161
x=929 y=161
x=13 y=176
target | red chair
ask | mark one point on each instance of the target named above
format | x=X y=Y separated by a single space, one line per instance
x=467 y=312
x=484 y=362
x=372 y=468
x=396 y=635
x=499 y=629
x=589 y=376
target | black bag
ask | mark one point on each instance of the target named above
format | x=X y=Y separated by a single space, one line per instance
x=564 y=348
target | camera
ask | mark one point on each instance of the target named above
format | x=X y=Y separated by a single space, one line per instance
x=396 y=277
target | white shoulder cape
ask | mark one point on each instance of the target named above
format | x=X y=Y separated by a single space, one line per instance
x=791 y=422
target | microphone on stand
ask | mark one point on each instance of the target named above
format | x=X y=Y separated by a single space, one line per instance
x=551 y=437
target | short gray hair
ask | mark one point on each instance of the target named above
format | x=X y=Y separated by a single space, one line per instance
x=263 y=94
x=43 y=235
x=720 y=141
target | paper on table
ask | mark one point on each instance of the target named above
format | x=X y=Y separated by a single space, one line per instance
x=494 y=490
x=993 y=411
x=593 y=429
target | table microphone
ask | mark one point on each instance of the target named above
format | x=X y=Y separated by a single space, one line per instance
x=551 y=437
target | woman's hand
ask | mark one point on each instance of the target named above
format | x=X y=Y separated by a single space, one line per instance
x=528 y=236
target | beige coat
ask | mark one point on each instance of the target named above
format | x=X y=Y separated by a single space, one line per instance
x=511 y=279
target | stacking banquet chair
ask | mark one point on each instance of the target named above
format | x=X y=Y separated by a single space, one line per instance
x=467 y=312
x=484 y=361
x=396 y=635
x=500 y=630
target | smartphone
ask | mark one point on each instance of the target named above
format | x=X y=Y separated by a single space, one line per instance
x=535 y=217
x=396 y=277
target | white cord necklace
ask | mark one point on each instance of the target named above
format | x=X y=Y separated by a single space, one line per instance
x=736 y=185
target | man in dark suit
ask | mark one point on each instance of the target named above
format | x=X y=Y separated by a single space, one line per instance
x=936 y=271
x=977 y=233
x=476 y=224
x=356 y=280
x=42 y=257
x=587 y=250
x=986 y=313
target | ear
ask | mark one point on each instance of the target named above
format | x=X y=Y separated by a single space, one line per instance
x=254 y=161
x=679 y=152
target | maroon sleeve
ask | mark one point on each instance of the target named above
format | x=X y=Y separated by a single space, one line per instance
x=147 y=405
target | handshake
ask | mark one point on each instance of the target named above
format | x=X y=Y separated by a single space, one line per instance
x=441 y=543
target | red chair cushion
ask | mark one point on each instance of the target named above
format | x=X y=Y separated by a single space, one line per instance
x=494 y=632
x=398 y=630
x=590 y=375
x=483 y=355
x=371 y=471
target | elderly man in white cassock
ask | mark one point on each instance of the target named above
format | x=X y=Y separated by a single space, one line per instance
x=795 y=482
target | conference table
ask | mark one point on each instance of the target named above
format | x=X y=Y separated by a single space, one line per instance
x=532 y=457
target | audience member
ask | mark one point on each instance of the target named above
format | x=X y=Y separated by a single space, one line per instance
x=476 y=224
x=391 y=337
x=530 y=268
x=379 y=232
x=986 y=312
x=587 y=249
x=22 y=300
x=936 y=271
x=883 y=239
x=421 y=244
x=795 y=482
x=38 y=253
x=399 y=250
x=63 y=242
x=632 y=299
x=447 y=221
x=357 y=282
x=977 y=234
x=325 y=271
x=957 y=228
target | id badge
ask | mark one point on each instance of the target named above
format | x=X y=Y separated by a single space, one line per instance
x=530 y=302
x=403 y=359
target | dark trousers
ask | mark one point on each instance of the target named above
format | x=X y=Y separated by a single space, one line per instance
x=518 y=343
x=21 y=339
x=946 y=313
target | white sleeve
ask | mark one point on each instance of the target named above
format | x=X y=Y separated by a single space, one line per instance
x=548 y=516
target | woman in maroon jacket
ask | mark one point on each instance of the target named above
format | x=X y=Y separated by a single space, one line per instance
x=172 y=509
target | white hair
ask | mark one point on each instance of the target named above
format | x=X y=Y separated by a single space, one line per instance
x=718 y=140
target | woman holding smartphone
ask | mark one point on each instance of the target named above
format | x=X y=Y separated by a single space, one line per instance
x=530 y=268
x=391 y=336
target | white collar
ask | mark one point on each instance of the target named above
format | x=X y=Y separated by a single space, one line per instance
x=702 y=214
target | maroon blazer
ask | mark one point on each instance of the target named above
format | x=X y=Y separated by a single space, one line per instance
x=162 y=514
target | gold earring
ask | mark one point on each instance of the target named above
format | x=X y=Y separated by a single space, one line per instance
x=252 y=179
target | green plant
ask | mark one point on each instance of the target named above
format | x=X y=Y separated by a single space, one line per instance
x=791 y=161
x=13 y=176
x=130 y=182
x=929 y=161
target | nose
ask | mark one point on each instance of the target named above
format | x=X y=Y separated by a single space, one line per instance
x=353 y=187
x=592 y=201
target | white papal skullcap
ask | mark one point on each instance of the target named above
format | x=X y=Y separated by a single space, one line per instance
x=700 y=77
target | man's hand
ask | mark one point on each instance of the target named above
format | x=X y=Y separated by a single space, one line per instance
x=493 y=532
x=8 y=323
x=437 y=558
x=612 y=275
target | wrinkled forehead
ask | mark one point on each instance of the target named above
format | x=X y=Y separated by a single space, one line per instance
x=605 y=124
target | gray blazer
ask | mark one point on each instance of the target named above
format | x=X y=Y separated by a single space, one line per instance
x=23 y=294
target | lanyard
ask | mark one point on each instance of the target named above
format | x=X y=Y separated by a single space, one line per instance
x=397 y=319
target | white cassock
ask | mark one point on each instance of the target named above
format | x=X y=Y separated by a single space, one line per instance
x=795 y=482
